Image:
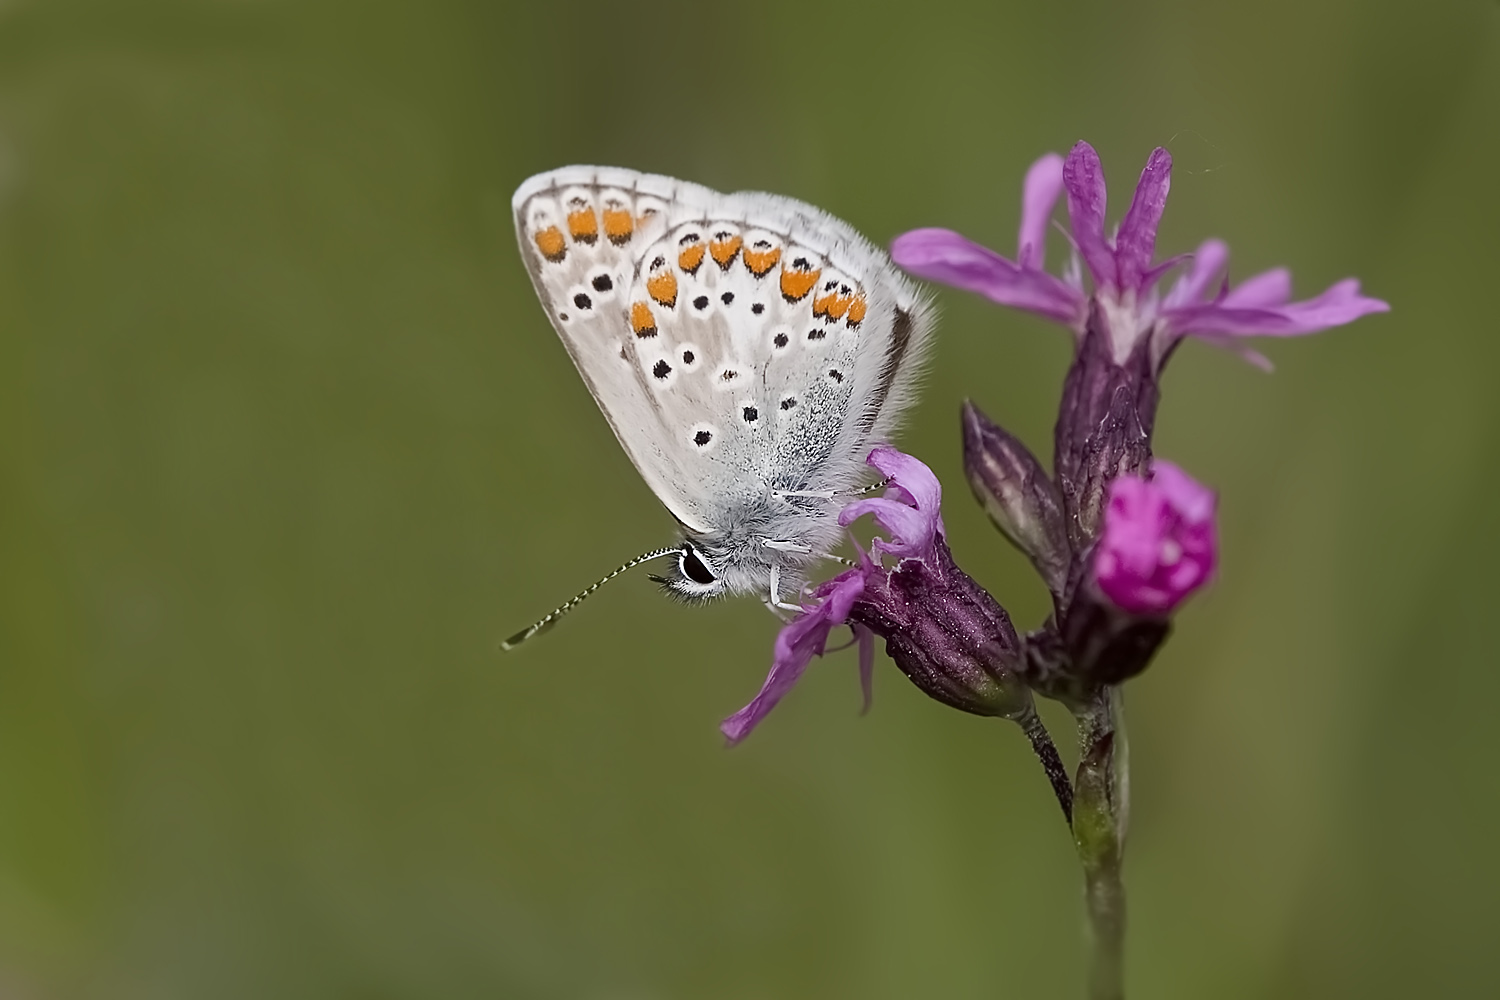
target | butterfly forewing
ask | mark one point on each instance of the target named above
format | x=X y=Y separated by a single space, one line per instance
x=737 y=344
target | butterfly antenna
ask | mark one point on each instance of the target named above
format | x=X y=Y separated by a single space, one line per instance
x=562 y=609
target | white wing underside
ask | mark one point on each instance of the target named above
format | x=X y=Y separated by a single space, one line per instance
x=737 y=344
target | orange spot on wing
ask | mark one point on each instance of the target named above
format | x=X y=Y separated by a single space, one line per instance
x=550 y=242
x=834 y=304
x=691 y=258
x=795 y=284
x=663 y=288
x=584 y=225
x=857 y=309
x=641 y=320
x=759 y=259
x=723 y=251
x=618 y=225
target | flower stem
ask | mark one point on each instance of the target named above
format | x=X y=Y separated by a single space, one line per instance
x=1052 y=765
x=1101 y=814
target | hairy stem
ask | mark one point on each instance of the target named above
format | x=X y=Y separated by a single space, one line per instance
x=1101 y=814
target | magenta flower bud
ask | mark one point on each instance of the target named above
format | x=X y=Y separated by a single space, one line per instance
x=1159 y=542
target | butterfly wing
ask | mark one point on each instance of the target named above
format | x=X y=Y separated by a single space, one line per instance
x=581 y=231
x=737 y=344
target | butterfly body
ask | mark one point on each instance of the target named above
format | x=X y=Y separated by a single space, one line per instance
x=747 y=350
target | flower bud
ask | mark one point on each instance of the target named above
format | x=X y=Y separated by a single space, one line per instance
x=1158 y=543
x=1018 y=495
x=946 y=634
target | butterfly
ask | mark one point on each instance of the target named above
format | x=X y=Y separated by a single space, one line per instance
x=747 y=349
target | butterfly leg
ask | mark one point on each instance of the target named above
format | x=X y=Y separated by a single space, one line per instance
x=819 y=494
x=830 y=494
x=776 y=603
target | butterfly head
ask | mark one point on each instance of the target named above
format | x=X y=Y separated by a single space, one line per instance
x=695 y=576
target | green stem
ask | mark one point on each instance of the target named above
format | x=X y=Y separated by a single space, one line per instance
x=1101 y=813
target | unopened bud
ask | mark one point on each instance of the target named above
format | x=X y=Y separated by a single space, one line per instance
x=1017 y=494
x=946 y=634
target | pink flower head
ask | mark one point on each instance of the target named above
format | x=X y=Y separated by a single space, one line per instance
x=1200 y=304
x=910 y=515
x=1159 y=542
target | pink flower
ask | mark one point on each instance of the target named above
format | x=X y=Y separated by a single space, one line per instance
x=1159 y=541
x=941 y=628
x=1200 y=304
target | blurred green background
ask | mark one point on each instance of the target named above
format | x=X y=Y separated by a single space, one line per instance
x=287 y=445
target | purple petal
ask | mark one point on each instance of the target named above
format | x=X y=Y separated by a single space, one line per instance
x=1193 y=501
x=866 y=665
x=1340 y=304
x=1216 y=320
x=1237 y=346
x=1207 y=263
x=1151 y=277
x=911 y=510
x=945 y=256
x=795 y=648
x=840 y=593
x=1039 y=196
x=1135 y=244
x=796 y=644
x=911 y=475
x=1083 y=176
x=1269 y=288
x=910 y=530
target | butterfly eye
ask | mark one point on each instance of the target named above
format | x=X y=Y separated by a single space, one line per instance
x=694 y=568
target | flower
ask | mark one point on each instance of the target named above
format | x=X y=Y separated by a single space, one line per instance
x=1156 y=546
x=1124 y=328
x=941 y=628
x=1124 y=277
x=1158 y=543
